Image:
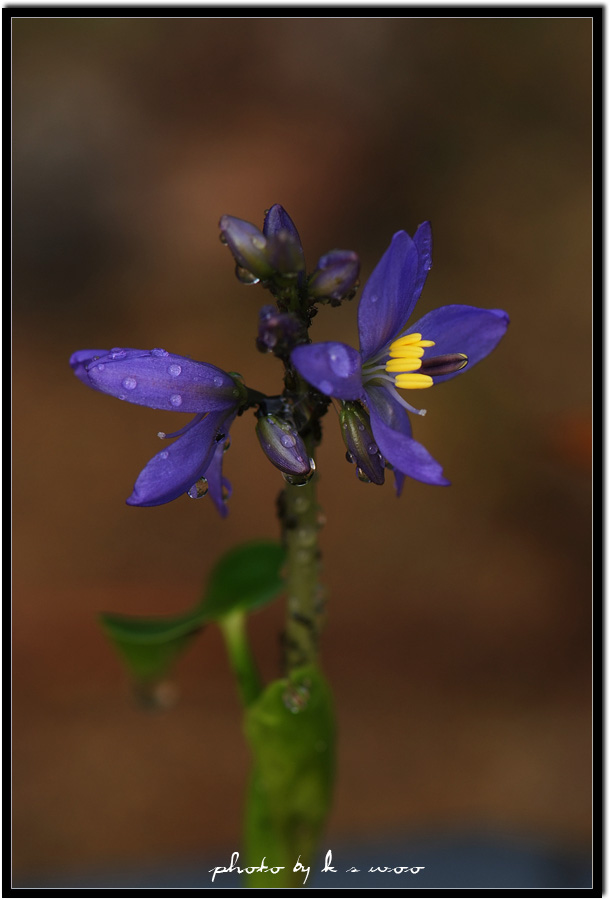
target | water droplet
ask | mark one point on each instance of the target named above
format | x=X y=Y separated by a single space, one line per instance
x=287 y=440
x=199 y=489
x=226 y=490
x=373 y=448
x=296 y=698
x=159 y=351
x=361 y=427
x=100 y=368
x=222 y=238
x=362 y=476
x=350 y=457
x=374 y=298
x=118 y=353
x=162 y=435
x=175 y=370
x=245 y=276
x=164 y=454
x=301 y=480
x=340 y=362
x=175 y=400
x=217 y=380
x=129 y=383
x=122 y=397
x=326 y=387
x=227 y=445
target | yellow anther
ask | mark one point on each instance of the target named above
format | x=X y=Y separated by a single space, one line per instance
x=404 y=364
x=413 y=381
x=406 y=352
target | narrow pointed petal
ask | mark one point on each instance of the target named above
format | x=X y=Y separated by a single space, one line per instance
x=333 y=368
x=399 y=480
x=389 y=295
x=392 y=430
x=173 y=470
x=166 y=381
x=219 y=487
x=79 y=362
x=462 y=329
x=423 y=241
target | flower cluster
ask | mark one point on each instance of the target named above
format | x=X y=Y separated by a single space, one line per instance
x=374 y=416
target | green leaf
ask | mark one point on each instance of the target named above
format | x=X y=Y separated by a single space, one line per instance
x=244 y=579
x=150 y=645
x=290 y=728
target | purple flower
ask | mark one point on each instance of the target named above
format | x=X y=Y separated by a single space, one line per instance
x=162 y=380
x=393 y=357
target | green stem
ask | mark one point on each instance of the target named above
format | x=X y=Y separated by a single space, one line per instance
x=301 y=521
x=233 y=628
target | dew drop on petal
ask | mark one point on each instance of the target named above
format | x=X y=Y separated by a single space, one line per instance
x=245 y=276
x=129 y=383
x=175 y=370
x=175 y=400
x=287 y=441
x=217 y=380
x=374 y=298
x=340 y=362
x=159 y=351
x=117 y=353
x=350 y=457
x=362 y=476
x=227 y=445
x=199 y=489
x=222 y=238
x=101 y=367
x=373 y=448
x=164 y=454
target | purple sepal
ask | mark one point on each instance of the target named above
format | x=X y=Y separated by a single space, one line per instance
x=358 y=438
x=167 y=381
x=177 y=467
x=333 y=368
x=388 y=297
x=336 y=275
x=392 y=431
x=461 y=329
x=283 y=445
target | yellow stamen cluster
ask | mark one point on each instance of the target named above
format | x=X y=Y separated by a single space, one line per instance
x=405 y=359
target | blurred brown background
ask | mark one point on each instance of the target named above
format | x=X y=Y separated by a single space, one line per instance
x=459 y=619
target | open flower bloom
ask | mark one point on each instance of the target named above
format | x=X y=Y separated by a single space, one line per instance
x=395 y=357
x=193 y=462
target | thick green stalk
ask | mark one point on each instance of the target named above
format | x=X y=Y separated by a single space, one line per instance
x=301 y=521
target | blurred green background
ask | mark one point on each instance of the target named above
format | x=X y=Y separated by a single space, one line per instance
x=458 y=635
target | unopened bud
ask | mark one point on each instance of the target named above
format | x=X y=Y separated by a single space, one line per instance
x=277 y=332
x=360 y=442
x=285 y=251
x=248 y=245
x=283 y=445
x=336 y=276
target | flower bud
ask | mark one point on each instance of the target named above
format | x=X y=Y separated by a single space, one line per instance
x=283 y=445
x=285 y=251
x=277 y=332
x=336 y=276
x=361 y=447
x=248 y=245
